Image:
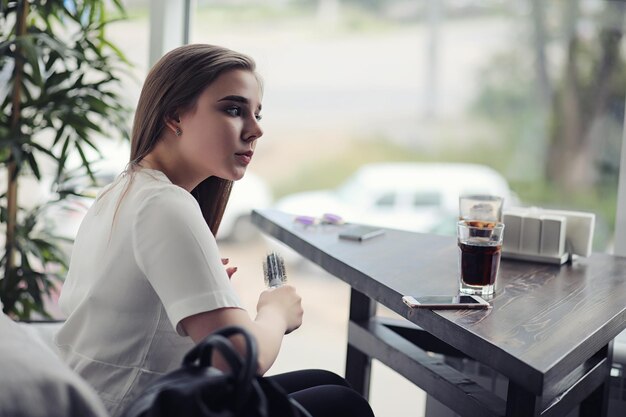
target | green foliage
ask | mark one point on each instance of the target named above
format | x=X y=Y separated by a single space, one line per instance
x=65 y=75
x=600 y=87
x=42 y=265
x=68 y=86
x=576 y=126
x=506 y=98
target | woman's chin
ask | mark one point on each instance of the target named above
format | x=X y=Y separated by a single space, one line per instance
x=236 y=175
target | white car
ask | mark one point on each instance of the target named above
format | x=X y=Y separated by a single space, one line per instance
x=250 y=192
x=421 y=197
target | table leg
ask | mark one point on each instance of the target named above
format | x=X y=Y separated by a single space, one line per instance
x=521 y=403
x=358 y=364
x=597 y=403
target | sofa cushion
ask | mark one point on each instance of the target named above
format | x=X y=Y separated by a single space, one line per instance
x=34 y=382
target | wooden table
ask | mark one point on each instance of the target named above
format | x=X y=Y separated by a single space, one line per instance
x=549 y=332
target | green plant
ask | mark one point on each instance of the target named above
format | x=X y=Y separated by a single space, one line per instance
x=59 y=83
x=42 y=266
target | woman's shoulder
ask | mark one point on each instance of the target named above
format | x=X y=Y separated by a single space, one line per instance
x=152 y=189
x=154 y=184
x=163 y=206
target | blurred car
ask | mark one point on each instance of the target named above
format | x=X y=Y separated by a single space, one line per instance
x=421 y=197
x=71 y=200
x=250 y=192
x=63 y=217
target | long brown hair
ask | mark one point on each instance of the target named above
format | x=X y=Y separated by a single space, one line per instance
x=173 y=86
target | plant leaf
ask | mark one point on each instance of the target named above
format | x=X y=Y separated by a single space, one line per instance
x=32 y=162
x=30 y=54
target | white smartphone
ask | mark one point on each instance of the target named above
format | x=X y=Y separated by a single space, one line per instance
x=435 y=302
x=360 y=233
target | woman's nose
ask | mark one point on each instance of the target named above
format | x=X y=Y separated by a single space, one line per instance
x=254 y=132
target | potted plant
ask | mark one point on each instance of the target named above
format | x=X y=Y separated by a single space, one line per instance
x=59 y=84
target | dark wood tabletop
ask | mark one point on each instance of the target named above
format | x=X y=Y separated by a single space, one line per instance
x=546 y=320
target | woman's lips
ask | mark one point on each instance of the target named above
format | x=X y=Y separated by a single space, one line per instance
x=244 y=158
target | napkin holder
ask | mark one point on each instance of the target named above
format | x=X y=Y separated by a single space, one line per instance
x=548 y=236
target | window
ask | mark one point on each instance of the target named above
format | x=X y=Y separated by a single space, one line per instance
x=432 y=199
x=533 y=89
x=386 y=200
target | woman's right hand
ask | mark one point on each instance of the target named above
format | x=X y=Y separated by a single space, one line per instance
x=284 y=301
x=279 y=311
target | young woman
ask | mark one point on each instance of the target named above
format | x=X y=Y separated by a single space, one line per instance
x=146 y=280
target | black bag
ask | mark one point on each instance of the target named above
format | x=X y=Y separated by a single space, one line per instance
x=199 y=390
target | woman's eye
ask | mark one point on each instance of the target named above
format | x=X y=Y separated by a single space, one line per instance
x=258 y=117
x=234 y=111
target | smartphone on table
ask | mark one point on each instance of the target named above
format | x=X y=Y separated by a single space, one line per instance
x=443 y=302
x=360 y=232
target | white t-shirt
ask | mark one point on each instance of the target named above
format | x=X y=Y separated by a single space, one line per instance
x=133 y=276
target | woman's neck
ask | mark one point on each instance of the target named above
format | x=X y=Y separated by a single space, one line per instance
x=168 y=165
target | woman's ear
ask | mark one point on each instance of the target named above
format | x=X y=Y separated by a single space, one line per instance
x=173 y=124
